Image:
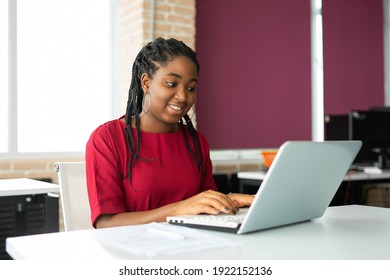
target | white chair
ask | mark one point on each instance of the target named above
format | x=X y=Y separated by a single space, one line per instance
x=74 y=195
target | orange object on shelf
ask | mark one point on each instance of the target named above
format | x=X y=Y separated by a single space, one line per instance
x=268 y=156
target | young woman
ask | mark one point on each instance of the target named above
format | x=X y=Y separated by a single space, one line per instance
x=152 y=163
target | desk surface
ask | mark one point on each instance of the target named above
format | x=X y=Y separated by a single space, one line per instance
x=350 y=176
x=24 y=186
x=344 y=232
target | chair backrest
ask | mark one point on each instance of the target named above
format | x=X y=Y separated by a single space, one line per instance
x=74 y=196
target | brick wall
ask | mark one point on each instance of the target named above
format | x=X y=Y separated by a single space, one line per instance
x=176 y=18
x=32 y=168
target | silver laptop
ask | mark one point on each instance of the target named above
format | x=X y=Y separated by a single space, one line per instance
x=298 y=186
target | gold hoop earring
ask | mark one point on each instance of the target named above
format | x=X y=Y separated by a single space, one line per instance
x=143 y=103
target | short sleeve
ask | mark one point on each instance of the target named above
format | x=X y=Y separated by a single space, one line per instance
x=104 y=176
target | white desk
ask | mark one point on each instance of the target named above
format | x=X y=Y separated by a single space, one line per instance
x=350 y=176
x=24 y=186
x=345 y=232
x=27 y=208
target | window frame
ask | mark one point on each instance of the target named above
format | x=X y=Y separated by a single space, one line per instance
x=317 y=65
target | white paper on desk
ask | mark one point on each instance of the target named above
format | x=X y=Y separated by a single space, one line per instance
x=139 y=240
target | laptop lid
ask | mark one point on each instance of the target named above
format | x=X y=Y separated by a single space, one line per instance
x=300 y=184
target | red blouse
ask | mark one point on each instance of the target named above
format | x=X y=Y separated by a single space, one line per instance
x=164 y=174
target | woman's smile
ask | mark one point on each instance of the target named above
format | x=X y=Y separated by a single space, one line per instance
x=176 y=108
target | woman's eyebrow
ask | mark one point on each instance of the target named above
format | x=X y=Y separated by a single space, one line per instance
x=180 y=77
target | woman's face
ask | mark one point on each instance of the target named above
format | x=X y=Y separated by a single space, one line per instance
x=172 y=92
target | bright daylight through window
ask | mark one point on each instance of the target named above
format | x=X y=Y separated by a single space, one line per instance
x=64 y=73
x=3 y=76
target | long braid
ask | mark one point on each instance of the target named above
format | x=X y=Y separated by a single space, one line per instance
x=197 y=155
x=132 y=110
x=152 y=56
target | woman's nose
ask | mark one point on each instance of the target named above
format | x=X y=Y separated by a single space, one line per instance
x=181 y=94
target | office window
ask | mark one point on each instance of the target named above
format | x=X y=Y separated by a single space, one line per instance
x=64 y=74
x=3 y=76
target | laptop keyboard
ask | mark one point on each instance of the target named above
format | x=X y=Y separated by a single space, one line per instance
x=237 y=218
x=219 y=221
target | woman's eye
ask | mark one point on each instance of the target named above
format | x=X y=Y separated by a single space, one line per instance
x=191 y=89
x=171 y=84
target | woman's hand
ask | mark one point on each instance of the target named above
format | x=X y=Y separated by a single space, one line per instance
x=241 y=200
x=208 y=202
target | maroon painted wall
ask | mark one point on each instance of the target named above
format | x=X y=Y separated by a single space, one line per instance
x=255 y=80
x=255 y=77
x=353 y=55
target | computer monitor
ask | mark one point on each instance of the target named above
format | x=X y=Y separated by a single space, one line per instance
x=372 y=127
x=336 y=127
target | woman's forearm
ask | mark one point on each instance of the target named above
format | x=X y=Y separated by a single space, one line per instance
x=136 y=218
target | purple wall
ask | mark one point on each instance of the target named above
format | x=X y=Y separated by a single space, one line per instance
x=353 y=55
x=255 y=77
x=255 y=80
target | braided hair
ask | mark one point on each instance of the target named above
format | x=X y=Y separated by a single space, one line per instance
x=155 y=54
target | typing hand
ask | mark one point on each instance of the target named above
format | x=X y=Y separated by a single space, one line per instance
x=241 y=200
x=208 y=202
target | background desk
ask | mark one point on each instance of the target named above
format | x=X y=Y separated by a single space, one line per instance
x=249 y=182
x=23 y=186
x=344 y=232
x=26 y=208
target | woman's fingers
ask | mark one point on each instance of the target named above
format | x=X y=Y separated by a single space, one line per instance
x=209 y=202
x=220 y=201
x=242 y=200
